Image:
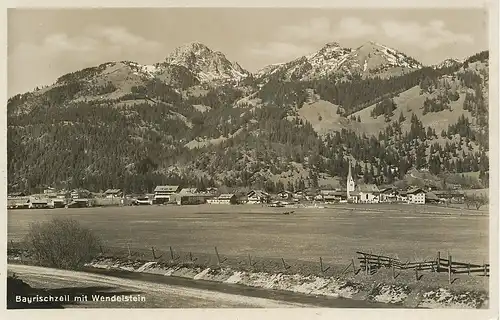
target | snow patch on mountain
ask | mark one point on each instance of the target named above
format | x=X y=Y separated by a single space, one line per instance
x=206 y=64
x=369 y=59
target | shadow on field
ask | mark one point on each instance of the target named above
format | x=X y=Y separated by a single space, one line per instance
x=21 y=295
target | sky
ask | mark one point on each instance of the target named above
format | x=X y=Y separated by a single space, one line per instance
x=44 y=44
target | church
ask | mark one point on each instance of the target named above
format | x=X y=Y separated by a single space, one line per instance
x=365 y=193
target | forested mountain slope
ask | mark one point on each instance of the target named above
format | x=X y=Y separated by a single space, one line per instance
x=197 y=118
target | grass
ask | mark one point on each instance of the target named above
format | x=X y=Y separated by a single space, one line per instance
x=335 y=234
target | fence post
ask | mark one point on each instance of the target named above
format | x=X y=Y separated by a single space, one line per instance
x=449 y=269
x=249 y=260
x=485 y=270
x=468 y=269
x=218 y=258
x=321 y=264
x=378 y=262
x=12 y=244
x=128 y=248
x=171 y=253
x=438 y=262
x=393 y=271
x=353 y=267
x=190 y=256
x=154 y=255
x=366 y=264
x=284 y=264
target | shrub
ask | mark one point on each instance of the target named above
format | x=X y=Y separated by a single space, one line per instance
x=62 y=243
x=476 y=200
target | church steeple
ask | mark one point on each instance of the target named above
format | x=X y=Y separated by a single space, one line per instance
x=350 y=181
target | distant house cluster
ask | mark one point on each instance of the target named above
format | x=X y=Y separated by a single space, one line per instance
x=174 y=194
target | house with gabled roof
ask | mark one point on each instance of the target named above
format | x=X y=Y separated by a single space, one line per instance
x=165 y=194
x=113 y=193
x=225 y=198
x=258 y=197
x=415 y=196
x=368 y=193
x=389 y=194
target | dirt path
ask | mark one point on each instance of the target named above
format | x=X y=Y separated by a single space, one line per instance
x=149 y=295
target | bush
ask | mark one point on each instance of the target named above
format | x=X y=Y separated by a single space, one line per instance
x=62 y=243
x=476 y=200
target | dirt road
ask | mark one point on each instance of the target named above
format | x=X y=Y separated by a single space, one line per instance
x=101 y=291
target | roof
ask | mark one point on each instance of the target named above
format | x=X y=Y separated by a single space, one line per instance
x=166 y=188
x=80 y=191
x=258 y=193
x=368 y=188
x=388 y=189
x=354 y=193
x=17 y=194
x=330 y=191
x=226 y=196
x=188 y=190
x=431 y=196
x=415 y=190
x=113 y=191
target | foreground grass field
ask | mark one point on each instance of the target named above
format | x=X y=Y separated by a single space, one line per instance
x=403 y=231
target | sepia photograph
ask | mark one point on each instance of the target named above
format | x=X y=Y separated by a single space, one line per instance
x=226 y=157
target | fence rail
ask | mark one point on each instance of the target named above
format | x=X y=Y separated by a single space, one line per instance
x=370 y=262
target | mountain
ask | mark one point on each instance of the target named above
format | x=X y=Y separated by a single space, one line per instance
x=448 y=63
x=198 y=119
x=369 y=60
x=205 y=64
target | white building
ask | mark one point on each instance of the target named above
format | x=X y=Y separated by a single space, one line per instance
x=227 y=198
x=165 y=193
x=416 y=196
x=369 y=193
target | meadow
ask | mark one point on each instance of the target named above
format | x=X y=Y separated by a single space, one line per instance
x=404 y=231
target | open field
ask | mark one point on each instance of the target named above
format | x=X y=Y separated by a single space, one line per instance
x=404 y=231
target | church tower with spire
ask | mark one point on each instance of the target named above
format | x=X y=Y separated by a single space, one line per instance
x=350 y=182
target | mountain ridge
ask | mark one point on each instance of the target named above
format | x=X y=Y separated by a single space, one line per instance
x=123 y=123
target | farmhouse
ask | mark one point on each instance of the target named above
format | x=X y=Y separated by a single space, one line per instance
x=369 y=193
x=189 y=190
x=285 y=195
x=402 y=196
x=211 y=190
x=431 y=197
x=49 y=190
x=16 y=194
x=227 y=198
x=327 y=192
x=389 y=194
x=80 y=194
x=416 y=196
x=190 y=196
x=450 y=195
x=354 y=196
x=258 y=196
x=38 y=203
x=144 y=200
x=113 y=193
x=57 y=203
x=165 y=193
x=340 y=195
x=19 y=202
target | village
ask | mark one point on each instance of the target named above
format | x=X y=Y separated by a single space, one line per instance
x=177 y=195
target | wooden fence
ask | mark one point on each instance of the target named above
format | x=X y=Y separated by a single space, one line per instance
x=370 y=263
